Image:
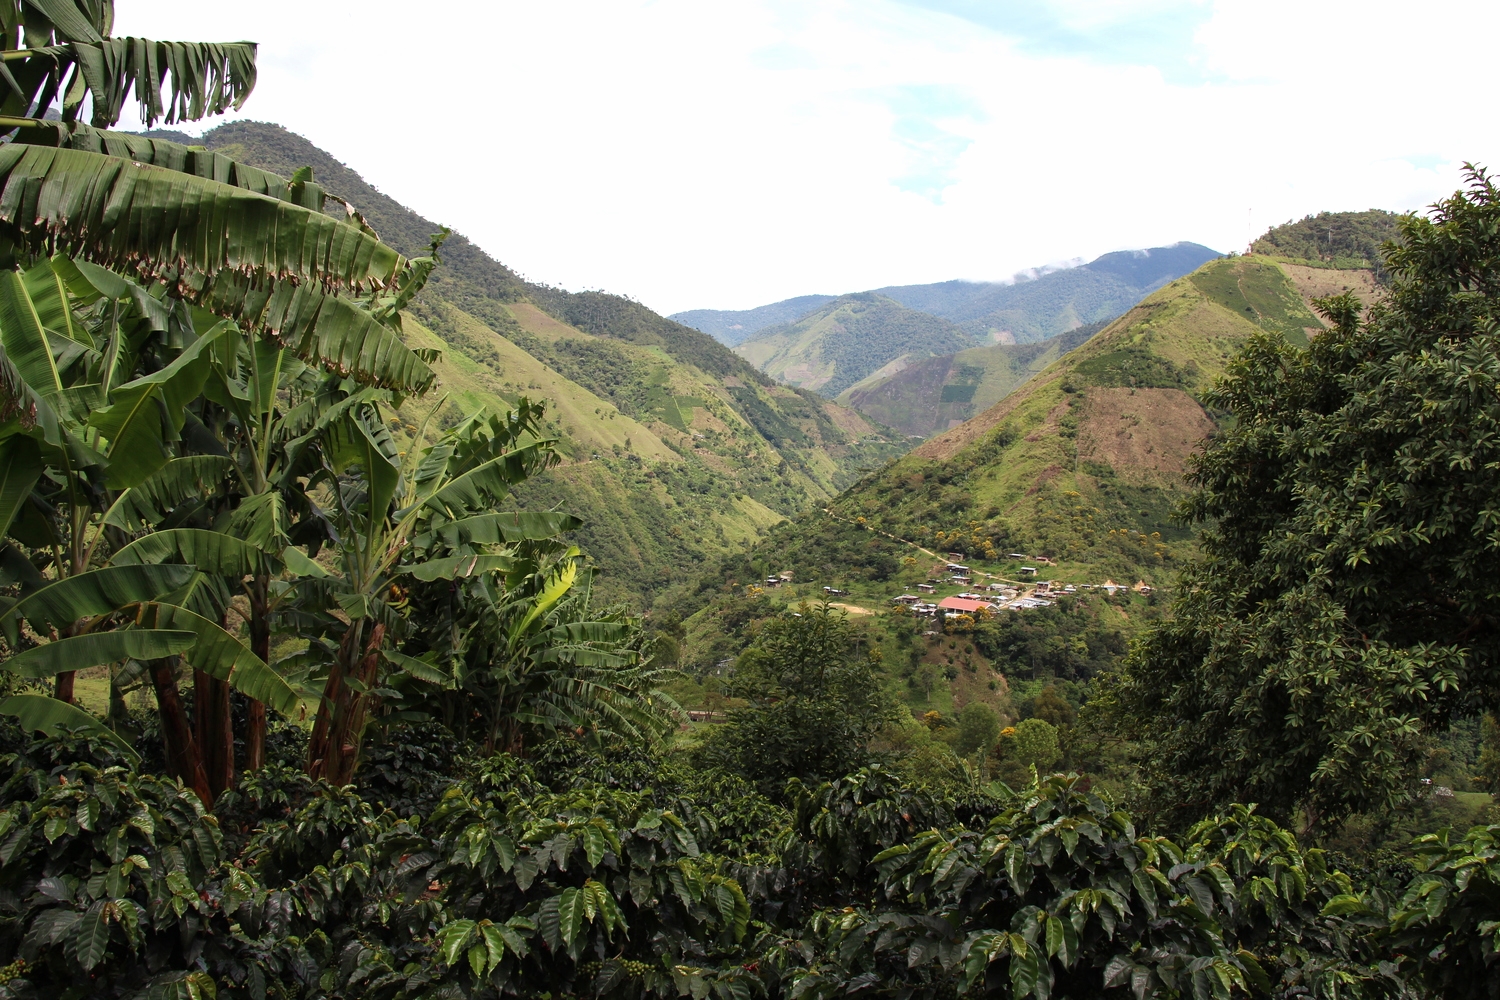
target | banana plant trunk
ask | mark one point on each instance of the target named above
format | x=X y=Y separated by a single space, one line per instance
x=183 y=760
x=260 y=645
x=213 y=731
x=63 y=690
x=333 y=750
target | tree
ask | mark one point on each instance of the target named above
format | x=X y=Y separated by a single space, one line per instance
x=814 y=703
x=1344 y=604
x=978 y=729
x=1031 y=743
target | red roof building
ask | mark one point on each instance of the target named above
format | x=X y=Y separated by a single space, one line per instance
x=965 y=605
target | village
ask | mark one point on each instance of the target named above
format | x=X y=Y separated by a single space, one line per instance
x=996 y=595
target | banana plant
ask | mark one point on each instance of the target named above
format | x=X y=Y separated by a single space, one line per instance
x=525 y=652
x=376 y=500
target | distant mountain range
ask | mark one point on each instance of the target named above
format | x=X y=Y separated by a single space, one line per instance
x=840 y=345
x=1029 y=308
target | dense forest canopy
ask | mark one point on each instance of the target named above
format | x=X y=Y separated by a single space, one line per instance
x=1334 y=239
x=365 y=730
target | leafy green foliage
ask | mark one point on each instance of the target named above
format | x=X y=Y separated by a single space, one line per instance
x=1342 y=605
x=814 y=703
x=1337 y=239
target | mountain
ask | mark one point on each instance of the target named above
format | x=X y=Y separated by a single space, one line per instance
x=679 y=450
x=730 y=326
x=1040 y=304
x=937 y=393
x=1083 y=462
x=849 y=339
x=1056 y=300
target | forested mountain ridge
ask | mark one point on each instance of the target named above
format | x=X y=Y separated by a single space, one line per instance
x=850 y=339
x=679 y=449
x=731 y=326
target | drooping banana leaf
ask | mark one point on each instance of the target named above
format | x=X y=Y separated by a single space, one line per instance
x=221 y=655
x=421 y=669
x=511 y=526
x=488 y=484
x=147 y=502
x=457 y=567
x=39 y=713
x=20 y=468
x=16 y=397
x=326 y=330
x=297 y=562
x=362 y=440
x=261 y=521
x=145 y=220
x=82 y=651
x=196 y=161
x=207 y=78
x=97 y=592
x=210 y=551
x=24 y=338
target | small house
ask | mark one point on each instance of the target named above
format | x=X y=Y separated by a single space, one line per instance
x=1028 y=571
x=907 y=599
x=926 y=588
x=964 y=605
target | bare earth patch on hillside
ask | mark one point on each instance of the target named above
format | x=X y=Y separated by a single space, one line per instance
x=1144 y=432
x=539 y=324
x=848 y=421
x=1321 y=282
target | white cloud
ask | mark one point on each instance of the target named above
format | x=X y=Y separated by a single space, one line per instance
x=732 y=153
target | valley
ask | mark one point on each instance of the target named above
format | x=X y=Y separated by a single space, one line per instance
x=675 y=450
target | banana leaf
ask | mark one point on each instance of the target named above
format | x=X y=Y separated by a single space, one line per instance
x=147 y=503
x=97 y=592
x=39 y=713
x=221 y=655
x=210 y=551
x=20 y=468
x=146 y=220
x=487 y=484
x=80 y=652
x=513 y=526
x=456 y=567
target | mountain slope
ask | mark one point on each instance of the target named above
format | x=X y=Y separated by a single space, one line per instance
x=847 y=340
x=1084 y=461
x=680 y=450
x=938 y=393
x=730 y=326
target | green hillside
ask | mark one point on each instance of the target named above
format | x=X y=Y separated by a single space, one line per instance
x=1083 y=462
x=848 y=340
x=938 y=393
x=679 y=450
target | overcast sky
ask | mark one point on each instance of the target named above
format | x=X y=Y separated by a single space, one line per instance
x=725 y=154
